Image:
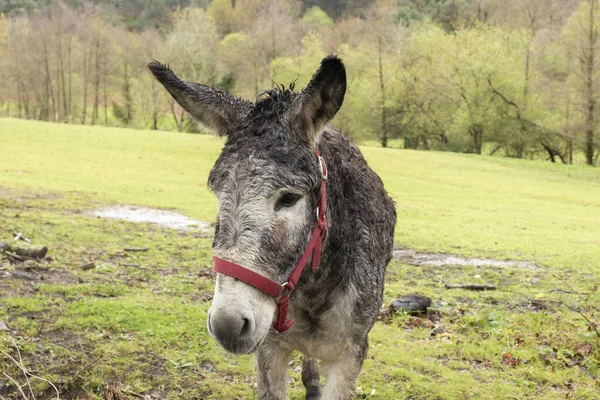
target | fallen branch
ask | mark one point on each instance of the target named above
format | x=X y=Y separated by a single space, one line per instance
x=23 y=369
x=16 y=384
x=25 y=372
x=35 y=252
x=134 y=394
x=564 y=291
x=113 y=392
x=88 y=266
x=19 y=236
x=412 y=303
x=23 y=253
x=136 y=249
x=470 y=287
x=15 y=256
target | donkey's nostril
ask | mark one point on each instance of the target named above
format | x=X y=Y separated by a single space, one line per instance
x=232 y=329
x=246 y=328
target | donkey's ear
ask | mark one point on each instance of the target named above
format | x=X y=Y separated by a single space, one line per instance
x=320 y=100
x=216 y=109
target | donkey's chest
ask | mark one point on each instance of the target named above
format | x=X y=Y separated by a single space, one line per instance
x=324 y=348
x=324 y=342
x=326 y=334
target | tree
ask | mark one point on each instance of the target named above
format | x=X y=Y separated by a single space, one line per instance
x=298 y=70
x=582 y=37
x=314 y=18
x=3 y=33
x=190 y=48
x=385 y=35
x=452 y=15
x=340 y=8
x=225 y=16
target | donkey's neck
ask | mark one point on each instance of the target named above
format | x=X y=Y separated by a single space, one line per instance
x=349 y=184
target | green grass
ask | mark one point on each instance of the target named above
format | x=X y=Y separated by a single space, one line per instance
x=144 y=325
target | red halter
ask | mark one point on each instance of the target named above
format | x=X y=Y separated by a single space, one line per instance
x=273 y=288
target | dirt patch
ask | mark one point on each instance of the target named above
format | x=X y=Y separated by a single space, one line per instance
x=21 y=196
x=413 y=257
x=168 y=219
x=24 y=278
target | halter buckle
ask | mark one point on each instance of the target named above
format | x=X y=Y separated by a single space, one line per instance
x=323 y=168
x=285 y=291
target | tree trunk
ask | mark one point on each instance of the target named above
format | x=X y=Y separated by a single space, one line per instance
x=273 y=39
x=26 y=101
x=61 y=82
x=476 y=133
x=178 y=121
x=527 y=73
x=570 y=151
x=59 y=85
x=64 y=86
x=96 y=79
x=589 y=85
x=105 y=93
x=127 y=94
x=255 y=66
x=550 y=153
x=384 y=134
x=20 y=99
x=49 y=93
x=85 y=85
x=154 y=105
x=70 y=86
x=569 y=140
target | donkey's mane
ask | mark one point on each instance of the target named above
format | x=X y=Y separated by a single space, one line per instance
x=273 y=102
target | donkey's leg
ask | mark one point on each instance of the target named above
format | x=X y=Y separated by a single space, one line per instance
x=310 y=377
x=271 y=364
x=341 y=375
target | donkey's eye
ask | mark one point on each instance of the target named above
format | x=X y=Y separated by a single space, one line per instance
x=286 y=200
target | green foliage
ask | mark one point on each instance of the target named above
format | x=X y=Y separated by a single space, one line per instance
x=314 y=16
x=21 y=7
x=338 y=8
x=453 y=75
x=450 y=14
x=224 y=14
x=227 y=82
x=191 y=46
x=288 y=70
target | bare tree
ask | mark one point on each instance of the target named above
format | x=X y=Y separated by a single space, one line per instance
x=583 y=42
x=383 y=32
x=191 y=47
x=589 y=64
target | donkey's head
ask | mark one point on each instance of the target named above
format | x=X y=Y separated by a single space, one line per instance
x=267 y=181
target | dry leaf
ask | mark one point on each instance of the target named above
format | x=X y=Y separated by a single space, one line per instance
x=508 y=359
x=584 y=349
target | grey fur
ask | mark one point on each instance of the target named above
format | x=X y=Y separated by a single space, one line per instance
x=270 y=151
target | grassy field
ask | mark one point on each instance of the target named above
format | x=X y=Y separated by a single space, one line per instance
x=139 y=318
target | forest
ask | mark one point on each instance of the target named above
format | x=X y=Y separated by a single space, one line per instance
x=514 y=78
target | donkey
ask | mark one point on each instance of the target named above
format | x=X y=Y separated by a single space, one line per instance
x=293 y=191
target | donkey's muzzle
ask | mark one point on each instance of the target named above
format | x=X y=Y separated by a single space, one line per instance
x=233 y=329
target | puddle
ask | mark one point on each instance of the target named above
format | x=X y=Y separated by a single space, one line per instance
x=168 y=219
x=413 y=257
